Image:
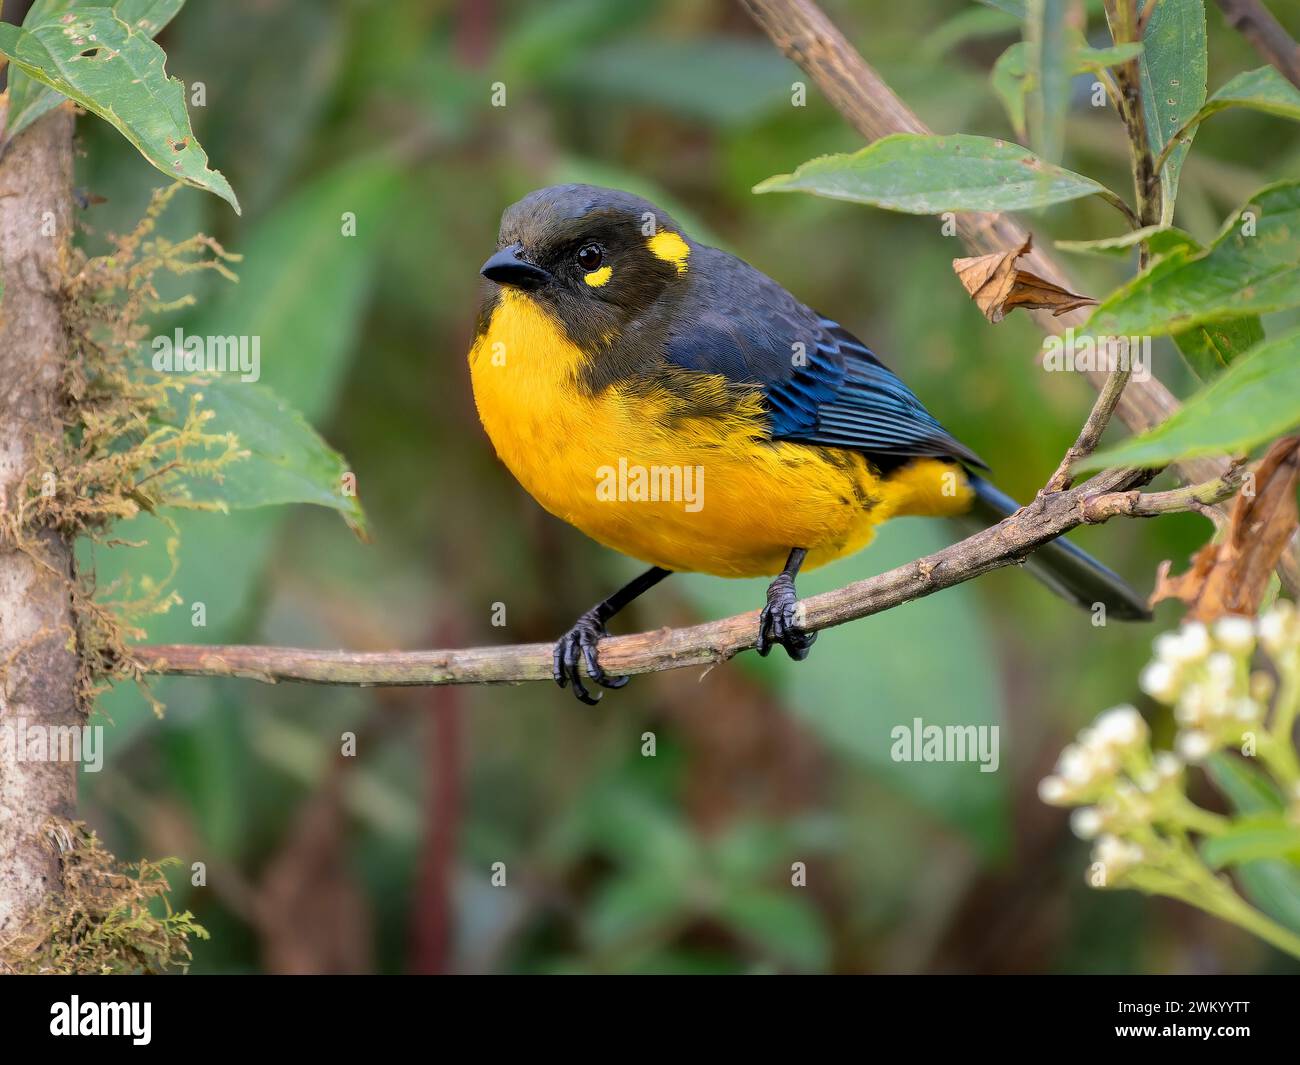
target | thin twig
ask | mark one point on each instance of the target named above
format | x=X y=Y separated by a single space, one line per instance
x=1005 y=544
x=1090 y=435
x=1135 y=504
x=1269 y=37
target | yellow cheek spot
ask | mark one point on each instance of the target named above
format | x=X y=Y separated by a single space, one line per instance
x=598 y=277
x=670 y=247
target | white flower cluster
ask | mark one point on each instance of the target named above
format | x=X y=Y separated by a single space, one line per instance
x=1204 y=674
x=1119 y=787
x=1279 y=630
x=1116 y=857
x=1091 y=765
x=1131 y=801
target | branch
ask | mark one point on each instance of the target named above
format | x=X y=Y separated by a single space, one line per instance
x=1090 y=435
x=1005 y=544
x=1135 y=504
x=1269 y=37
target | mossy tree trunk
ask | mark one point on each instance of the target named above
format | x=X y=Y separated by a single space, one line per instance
x=38 y=656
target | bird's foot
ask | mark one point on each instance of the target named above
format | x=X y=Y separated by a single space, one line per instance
x=577 y=648
x=779 y=616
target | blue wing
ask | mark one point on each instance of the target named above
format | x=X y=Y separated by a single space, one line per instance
x=821 y=384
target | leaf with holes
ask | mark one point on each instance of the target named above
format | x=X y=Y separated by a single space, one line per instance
x=29 y=99
x=115 y=71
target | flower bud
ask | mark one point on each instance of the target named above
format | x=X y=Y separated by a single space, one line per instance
x=1160 y=681
x=1235 y=634
x=1194 y=745
x=1086 y=822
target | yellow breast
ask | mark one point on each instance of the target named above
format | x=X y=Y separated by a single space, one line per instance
x=679 y=477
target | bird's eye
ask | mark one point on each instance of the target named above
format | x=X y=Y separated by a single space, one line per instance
x=590 y=256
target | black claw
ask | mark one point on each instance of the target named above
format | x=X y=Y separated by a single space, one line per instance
x=779 y=616
x=578 y=648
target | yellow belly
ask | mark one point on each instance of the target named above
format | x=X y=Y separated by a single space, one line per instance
x=641 y=471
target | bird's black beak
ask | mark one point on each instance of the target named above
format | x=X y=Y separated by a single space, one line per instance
x=507 y=268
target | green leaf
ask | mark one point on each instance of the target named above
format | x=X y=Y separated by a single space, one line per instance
x=1173 y=73
x=116 y=72
x=288 y=462
x=1112 y=247
x=1247 y=788
x=1263 y=89
x=1048 y=72
x=923 y=174
x=1011 y=82
x=1211 y=348
x=1272 y=885
x=1008 y=80
x=1256 y=399
x=1208 y=348
x=1252 y=838
x=1250 y=268
x=30 y=99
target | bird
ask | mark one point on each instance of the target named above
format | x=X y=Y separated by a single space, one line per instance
x=679 y=406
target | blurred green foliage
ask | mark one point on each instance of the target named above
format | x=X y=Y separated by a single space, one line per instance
x=614 y=861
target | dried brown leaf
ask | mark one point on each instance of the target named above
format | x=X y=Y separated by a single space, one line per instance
x=1231 y=576
x=997 y=286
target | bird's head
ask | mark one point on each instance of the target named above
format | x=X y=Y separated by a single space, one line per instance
x=596 y=258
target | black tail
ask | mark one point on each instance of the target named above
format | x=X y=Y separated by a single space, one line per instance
x=1071 y=573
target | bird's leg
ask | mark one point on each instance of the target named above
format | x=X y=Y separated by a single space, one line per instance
x=580 y=641
x=779 y=613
